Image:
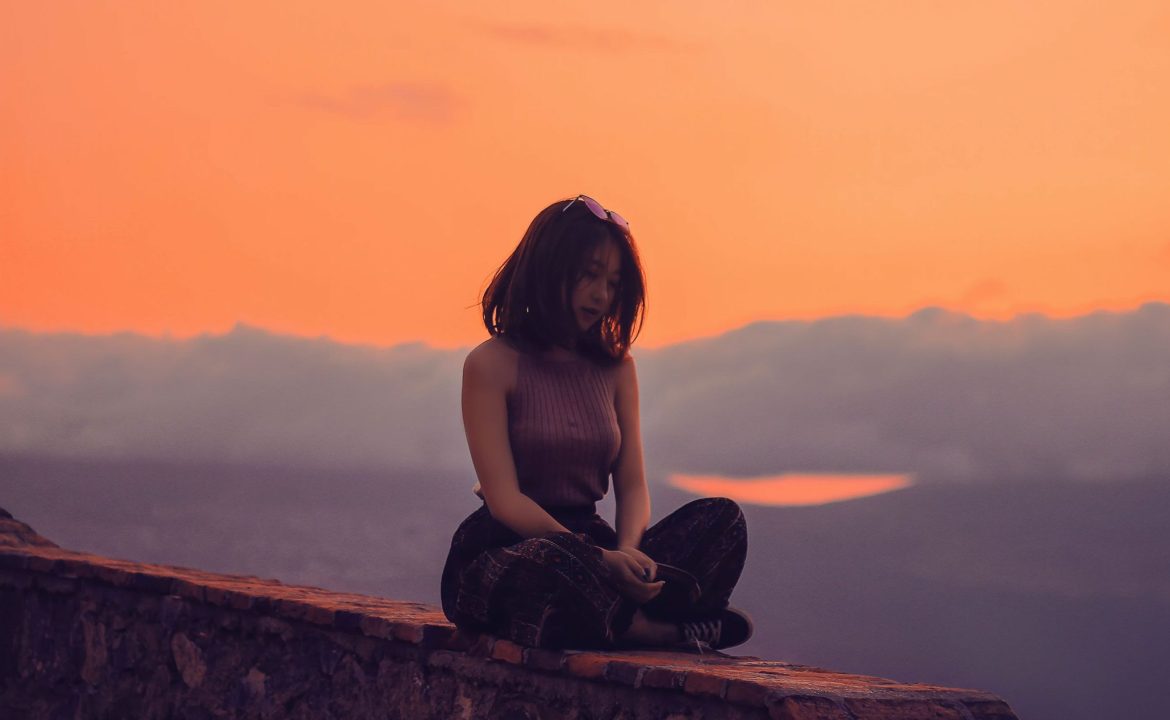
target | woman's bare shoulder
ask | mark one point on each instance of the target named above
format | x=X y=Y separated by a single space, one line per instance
x=625 y=373
x=493 y=361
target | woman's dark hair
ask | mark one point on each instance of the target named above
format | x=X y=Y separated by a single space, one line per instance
x=528 y=299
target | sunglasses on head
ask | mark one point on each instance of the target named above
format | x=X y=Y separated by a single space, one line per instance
x=600 y=212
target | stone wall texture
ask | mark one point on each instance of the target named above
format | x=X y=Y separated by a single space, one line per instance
x=84 y=636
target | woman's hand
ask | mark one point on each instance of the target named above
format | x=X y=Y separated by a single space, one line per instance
x=649 y=567
x=628 y=574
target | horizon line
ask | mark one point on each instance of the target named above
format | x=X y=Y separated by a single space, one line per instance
x=244 y=326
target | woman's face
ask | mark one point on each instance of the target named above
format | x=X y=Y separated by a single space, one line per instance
x=595 y=292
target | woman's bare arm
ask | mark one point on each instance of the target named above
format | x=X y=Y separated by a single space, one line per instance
x=629 y=476
x=485 y=422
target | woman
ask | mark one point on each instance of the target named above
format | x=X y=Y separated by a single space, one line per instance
x=550 y=409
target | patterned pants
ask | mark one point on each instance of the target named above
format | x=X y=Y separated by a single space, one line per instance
x=555 y=592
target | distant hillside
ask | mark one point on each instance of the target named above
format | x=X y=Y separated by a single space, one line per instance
x=1028 y=590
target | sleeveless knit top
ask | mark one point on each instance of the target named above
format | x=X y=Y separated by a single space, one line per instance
x=563 y=430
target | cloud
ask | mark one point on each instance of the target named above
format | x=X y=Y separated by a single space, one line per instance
x=938 y=394
x=247 y=396
x=577 y=37
x=9 y=385
x=411 y=101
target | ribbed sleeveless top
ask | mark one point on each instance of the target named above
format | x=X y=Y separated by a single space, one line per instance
x=563 y=429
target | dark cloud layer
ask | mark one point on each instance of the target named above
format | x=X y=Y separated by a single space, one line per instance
x=939 y=394
x=247 y=396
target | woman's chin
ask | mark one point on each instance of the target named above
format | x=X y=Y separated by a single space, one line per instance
x=586 y=324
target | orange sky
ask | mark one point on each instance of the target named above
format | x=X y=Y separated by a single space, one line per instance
x=357 y=170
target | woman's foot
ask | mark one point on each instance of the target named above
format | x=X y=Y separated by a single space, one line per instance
x=645 y=631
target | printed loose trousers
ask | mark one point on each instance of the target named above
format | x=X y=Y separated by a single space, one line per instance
x=555 y=592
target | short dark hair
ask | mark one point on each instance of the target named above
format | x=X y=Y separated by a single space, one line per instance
x=528 y=299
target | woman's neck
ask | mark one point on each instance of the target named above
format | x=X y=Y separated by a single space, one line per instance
x=560 y=352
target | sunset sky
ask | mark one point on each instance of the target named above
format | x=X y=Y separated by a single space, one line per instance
x=357 y=170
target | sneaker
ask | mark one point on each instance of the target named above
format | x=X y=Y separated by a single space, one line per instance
x=729 y=628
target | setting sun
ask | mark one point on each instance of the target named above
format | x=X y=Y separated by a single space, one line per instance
x=791 y=489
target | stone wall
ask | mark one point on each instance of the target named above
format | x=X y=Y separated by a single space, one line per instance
x=83 y=636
